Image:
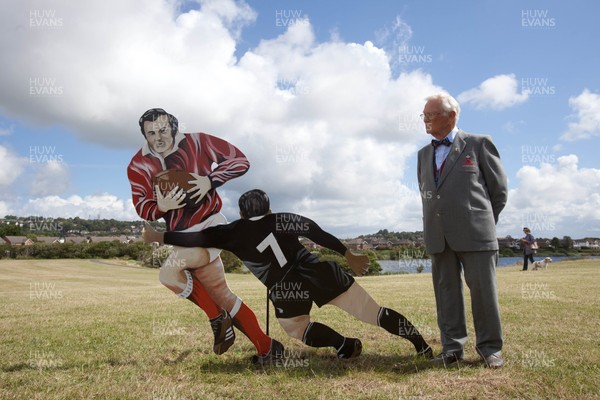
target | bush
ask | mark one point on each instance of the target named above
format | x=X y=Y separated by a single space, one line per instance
x=507 y=252
x=231 y=263
x=330 y=255
x=114 y=249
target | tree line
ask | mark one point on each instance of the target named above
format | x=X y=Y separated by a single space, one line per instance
x=145 y=254
x=45 y=226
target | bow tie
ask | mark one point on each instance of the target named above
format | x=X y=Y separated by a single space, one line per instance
x=436 y=143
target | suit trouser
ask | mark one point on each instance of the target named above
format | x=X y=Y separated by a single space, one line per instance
x=479 y=269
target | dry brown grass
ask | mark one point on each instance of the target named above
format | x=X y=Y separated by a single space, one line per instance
x=74 y=329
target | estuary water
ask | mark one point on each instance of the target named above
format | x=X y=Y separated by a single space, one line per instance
x=410 y=266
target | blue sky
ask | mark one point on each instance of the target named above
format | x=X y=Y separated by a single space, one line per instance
x=323 y=97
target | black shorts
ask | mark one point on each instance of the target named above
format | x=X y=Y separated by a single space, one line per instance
x=308 y=281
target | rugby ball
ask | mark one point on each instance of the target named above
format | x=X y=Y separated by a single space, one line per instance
x=169 y=179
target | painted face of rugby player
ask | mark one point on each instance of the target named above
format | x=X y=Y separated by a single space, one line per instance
x=158 y=134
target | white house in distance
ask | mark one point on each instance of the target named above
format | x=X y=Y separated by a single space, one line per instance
x=24 y=241
x=16 y=240
x=594 y=244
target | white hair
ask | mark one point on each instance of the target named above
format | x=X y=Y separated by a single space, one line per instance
x=448 y=102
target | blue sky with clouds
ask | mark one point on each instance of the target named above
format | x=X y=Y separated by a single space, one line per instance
x=323 y=97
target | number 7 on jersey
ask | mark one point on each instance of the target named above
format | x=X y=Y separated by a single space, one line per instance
x=271 y=242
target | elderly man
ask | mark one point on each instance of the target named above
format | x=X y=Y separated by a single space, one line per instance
x=464 y=188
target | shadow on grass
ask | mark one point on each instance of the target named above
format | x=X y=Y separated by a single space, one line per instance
x=305 y=362
x=53 y=365
x=179 y=358
x=317 y=363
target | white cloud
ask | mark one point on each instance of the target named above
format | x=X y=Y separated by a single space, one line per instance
x=587 y=108
x=513 y=127
x=498 y=92
x=3 y=209
x=6 y=131
x=347 y=151
x=142 y=57
x=52 y=178
x=101 y=205
x=11 y=166
x=395 y=41
x=554 y=200
x=186 y=63
x=348 y=122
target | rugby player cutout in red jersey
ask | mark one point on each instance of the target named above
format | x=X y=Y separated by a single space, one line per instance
x=195 y=274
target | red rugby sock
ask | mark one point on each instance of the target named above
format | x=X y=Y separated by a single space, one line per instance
x=200 y=297
x=245 y=320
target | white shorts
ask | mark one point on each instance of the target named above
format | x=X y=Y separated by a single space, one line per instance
x=215 y=219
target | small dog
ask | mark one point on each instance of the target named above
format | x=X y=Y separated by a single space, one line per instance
x=541 y=264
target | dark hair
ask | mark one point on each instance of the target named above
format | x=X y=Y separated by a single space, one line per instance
x=153 y=114
x=254 y=203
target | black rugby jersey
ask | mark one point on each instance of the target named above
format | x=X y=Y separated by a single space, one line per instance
x=267 y=245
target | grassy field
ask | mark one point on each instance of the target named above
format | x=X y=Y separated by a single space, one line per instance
x=74 y=329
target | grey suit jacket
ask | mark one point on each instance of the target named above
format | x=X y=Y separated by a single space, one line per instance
x=472 y=190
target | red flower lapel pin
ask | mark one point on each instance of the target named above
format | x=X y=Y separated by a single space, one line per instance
x=468 y=162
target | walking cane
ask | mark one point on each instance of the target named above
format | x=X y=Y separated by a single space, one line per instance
x=267 y=311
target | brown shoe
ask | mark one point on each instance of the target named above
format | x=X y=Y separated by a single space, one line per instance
x=223 y=330
x=494 y=360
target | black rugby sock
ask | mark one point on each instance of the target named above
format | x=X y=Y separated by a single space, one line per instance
x=396 y=324
x=319 y=335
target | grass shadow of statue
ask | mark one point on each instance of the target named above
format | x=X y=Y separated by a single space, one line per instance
x=301 y=362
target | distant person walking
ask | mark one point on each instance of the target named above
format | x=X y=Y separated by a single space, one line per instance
x=527 y=242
